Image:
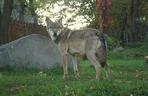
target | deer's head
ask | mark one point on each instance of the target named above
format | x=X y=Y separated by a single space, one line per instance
x=54 y=28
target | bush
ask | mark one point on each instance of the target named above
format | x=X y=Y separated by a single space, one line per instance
x=111 y=42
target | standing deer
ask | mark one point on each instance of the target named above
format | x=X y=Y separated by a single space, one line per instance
x=89 y=42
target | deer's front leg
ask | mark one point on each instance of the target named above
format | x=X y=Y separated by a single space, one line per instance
x=65 y=66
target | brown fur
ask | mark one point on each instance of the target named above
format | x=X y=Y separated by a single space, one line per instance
x=89 y=42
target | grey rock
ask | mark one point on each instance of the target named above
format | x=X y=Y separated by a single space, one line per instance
x=32 y=51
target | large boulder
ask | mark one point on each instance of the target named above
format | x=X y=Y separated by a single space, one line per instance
x=32 y=51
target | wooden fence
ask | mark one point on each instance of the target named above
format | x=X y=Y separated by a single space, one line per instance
x=19 y=29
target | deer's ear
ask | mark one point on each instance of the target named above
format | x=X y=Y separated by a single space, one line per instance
x=59 y=22
x=48 y=21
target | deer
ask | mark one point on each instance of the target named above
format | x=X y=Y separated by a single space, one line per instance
x=89 y=42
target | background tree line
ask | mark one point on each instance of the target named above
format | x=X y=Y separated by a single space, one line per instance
x=127 y=22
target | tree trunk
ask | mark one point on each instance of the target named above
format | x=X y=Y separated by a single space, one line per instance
x=21 y=10
x=0 y=16
x=124 y=34
x=104 y=15
x=103 y=7
x=32 y=10
x=134 y=15
x=5 y=18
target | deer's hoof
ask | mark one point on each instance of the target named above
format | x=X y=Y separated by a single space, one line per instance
x=65 y=77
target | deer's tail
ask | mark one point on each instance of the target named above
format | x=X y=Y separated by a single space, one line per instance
x=101 y=51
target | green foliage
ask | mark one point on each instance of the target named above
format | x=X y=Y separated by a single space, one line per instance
x=111 y=42
x=138 y=49
x=121 y=18
x=86 y=8
x=119 y=8
x=144 y=9
x=42 y=3
x=144 y=46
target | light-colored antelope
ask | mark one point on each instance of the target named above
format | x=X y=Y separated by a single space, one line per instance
x=89 y=42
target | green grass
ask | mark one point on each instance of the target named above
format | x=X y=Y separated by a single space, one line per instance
x=129 y=77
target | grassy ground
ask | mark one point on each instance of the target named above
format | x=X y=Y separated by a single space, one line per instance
x=129 y=77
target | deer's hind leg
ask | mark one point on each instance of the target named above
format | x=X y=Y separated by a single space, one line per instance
x=102 y=57
x=107 y=68
x=75 y=66
x=92 y=58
